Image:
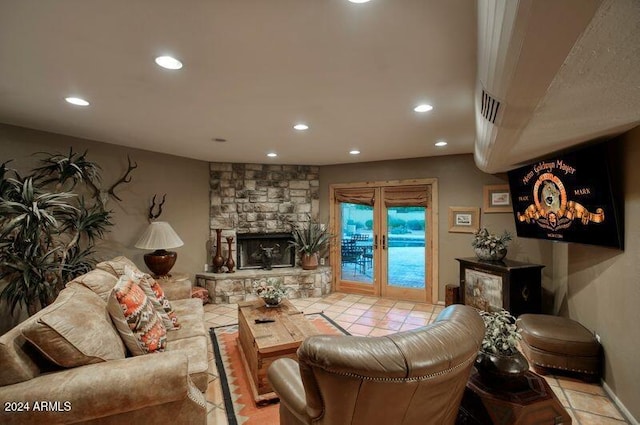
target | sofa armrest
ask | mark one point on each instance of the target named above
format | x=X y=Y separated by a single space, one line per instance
x=285 y=379
x=99 y=390
x=176 y=289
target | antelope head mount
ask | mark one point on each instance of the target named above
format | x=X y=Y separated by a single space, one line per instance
x=152 y=214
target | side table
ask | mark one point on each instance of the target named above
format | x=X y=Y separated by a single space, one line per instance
x=533 y=403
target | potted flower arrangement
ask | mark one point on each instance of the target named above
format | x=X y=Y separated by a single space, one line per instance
x=271 y=290
x=309 y=241
x=499 y=360
x=490 y=247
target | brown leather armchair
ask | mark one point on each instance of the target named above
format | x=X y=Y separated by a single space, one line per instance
x=413 y=377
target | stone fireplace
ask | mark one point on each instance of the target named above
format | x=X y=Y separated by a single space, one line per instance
x=260 y=199
x=258 y=204
x=251 y=247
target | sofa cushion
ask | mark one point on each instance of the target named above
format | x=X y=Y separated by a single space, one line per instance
x=191 y=315
x=195 y=349
x=20 y=359
x=116 y=265
x=138 y=323
x=75 y=330
x=99 y=281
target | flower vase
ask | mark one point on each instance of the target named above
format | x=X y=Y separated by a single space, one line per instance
x=486 y=254
x=505 y=371
x=272 y=302
x=218 y=259
x=230 y=263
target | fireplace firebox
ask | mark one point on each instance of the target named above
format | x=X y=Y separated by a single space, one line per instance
x=252 y=247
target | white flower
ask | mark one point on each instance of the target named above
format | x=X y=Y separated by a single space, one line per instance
x=483 y=239
x=270 y=288
x=501 y=336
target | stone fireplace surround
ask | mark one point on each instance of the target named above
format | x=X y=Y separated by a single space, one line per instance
x=225 y=288
x=261 y=198
x=250 y=245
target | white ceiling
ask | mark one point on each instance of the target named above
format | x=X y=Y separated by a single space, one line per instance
x=353 y=72
x=565 y=72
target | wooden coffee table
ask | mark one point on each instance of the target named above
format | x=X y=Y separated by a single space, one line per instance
x=262 y=343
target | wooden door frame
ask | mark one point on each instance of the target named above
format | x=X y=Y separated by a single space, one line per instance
x=433 y=205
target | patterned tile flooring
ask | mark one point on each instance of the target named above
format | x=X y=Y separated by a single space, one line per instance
x=587 y=404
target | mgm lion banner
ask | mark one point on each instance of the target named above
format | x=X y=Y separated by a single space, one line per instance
x=568 y=198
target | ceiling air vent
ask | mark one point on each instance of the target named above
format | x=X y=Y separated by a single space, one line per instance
x=490 y=107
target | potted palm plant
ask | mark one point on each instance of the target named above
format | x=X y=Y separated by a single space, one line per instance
x=310 y=240
x=47 y=230
x=499 y=361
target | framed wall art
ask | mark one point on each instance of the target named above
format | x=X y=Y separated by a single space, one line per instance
x=464 y=219
x=497 y=199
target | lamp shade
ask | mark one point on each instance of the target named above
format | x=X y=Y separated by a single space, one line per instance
x=159 y=235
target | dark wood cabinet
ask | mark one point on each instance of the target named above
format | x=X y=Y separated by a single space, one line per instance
x=491 y=285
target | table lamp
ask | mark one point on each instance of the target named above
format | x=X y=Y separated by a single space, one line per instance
x=159 y=236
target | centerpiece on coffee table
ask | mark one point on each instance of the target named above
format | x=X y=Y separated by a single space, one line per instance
x=271 y=290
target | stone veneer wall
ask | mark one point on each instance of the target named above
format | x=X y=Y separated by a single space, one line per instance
x=262 y=198
x=236 y=287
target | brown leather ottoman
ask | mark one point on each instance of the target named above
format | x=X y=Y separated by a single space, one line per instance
x=553 y=342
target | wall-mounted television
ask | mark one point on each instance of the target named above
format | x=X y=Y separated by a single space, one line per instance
x=569 y=197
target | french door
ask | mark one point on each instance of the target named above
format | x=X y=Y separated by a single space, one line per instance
x=384 y=243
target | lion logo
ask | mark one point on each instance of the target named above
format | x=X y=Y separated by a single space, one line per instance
x=550 y=197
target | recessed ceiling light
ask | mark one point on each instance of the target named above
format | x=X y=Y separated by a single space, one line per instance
x=301 y=127
x=441 y=143
x=272 y=154
x=354 y=152
x=423 y=108
x=168 y=62
x=359 y=1
x=76 y=101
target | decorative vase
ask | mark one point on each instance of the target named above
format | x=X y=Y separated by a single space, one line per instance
x=486 y=254
x=309 y=261
x=218 y=260
x=501 y=370
x=272 y=302
x=230 y=263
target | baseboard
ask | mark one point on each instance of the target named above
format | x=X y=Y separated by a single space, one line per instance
x=628 y=416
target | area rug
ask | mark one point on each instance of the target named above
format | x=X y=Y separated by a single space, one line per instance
x=238 y=401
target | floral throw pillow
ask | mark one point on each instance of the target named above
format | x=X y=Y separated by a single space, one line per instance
x=155 y=293
x=137 y=321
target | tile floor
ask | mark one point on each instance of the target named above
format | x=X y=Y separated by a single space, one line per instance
x=360 y=315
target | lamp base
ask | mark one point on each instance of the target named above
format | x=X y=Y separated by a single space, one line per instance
x=160 y=262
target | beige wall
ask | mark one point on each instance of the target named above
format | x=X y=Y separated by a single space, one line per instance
x=460 y=184
x=185 y=181
x=602 y=286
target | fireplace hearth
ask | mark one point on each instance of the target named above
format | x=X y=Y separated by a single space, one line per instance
x=253 y=247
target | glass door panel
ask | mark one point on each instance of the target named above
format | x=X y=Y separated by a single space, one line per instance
x=384 y=249
x=405 y=247
x=356 y=243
